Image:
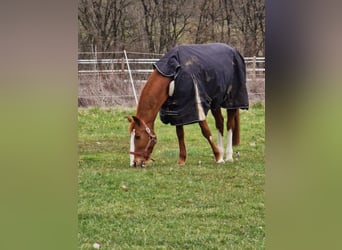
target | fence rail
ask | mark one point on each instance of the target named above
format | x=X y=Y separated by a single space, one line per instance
x=115 y=78
x=254 y=61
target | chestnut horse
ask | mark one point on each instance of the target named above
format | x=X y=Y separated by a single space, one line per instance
x=154 y=95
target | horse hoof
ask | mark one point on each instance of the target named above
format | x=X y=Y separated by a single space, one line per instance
x=220 y=161
x=230 y=160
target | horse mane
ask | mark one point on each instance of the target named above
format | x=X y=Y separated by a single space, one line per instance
x=153 y=95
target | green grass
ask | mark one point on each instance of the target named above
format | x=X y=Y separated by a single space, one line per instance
x=201 y=205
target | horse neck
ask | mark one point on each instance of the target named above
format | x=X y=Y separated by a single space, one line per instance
x=152 y=97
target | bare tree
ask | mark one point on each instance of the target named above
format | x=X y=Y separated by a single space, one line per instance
x=228 y=16
x=250 y=21
x=102 y=22
x=157 y=25
x=150 y=17
x=165 y=22
x=176 y=23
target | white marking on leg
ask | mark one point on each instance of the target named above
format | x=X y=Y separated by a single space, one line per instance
x=220 y=145
x=131 y=149
x=229 y=151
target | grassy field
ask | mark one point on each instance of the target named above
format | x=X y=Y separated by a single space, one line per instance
x=201 y=205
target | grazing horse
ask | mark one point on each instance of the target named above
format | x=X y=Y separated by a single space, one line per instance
x=187 y=82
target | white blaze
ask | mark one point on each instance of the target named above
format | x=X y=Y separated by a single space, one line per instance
x=132 y=148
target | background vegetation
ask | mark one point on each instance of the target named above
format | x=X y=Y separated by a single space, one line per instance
x=155 y=26
x=201 y=205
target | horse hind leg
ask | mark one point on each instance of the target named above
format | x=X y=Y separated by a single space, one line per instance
x=219 y=121
x=181 y=143
x=233 y=134
x=207 y=134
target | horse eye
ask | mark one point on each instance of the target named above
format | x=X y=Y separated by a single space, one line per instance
x=137 y=137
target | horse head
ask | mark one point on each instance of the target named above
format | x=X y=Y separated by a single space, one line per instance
x=142 y=142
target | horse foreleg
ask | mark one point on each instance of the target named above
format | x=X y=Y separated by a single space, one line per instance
x=219 y=126
x=207 y=134
x=181 y=143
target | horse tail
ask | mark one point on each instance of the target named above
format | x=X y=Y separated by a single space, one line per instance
x=236 y=129
x=240 y=67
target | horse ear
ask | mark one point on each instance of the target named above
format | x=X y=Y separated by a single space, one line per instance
x=136 y=120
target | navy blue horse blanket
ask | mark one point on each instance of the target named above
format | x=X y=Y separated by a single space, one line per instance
x=206 y=76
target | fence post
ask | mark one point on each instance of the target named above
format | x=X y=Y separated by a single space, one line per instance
x=95 y=57
x=130 y=76
x=122 y=74
x=254 y=69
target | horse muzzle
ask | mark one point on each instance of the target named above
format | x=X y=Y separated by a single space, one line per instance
x=141 y=164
